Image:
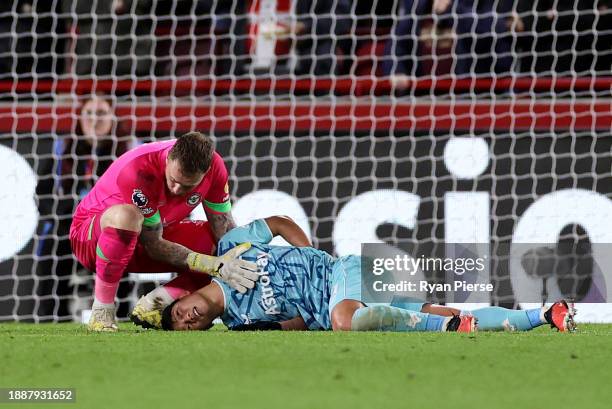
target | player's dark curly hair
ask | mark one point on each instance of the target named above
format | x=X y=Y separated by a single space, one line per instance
x=166 y=319
x=194 y=151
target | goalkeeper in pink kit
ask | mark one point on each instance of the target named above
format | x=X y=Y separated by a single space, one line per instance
x=134 y=219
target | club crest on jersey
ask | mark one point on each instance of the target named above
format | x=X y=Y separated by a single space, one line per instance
x=226 y=191
x=194 y=199
x=139 y=198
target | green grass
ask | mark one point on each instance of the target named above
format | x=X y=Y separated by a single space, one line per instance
x=219 y=369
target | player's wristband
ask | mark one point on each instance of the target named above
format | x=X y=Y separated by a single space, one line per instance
x=203 y=263
x=259 y=326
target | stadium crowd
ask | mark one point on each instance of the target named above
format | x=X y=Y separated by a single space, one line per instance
x=145 y=38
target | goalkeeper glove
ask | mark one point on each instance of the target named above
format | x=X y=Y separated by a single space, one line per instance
x=148 y=309
x=238 y=274
x=146 y=314
x=259 y=326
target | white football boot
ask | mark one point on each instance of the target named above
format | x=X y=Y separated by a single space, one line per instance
x=103 y=318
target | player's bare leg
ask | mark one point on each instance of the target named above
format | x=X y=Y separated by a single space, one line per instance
x=342 y=314
x=440 y=310
x=120 y=227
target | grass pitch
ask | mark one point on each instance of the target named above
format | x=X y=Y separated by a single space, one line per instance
x=219 y=369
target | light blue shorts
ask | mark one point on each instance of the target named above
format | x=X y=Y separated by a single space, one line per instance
x=345 y=281
x=346 y=285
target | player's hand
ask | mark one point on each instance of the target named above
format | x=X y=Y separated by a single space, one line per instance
x=241 y=275
x=440 y=6
x=516 y=22
x=399 y=81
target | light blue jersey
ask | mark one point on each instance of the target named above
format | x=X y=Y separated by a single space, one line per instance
x=302 y=281
x=295 y=281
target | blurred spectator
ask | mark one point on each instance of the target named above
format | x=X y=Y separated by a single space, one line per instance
x=317 y=29
x=229 y=26
x=364 y=45
x=114 y=37
x=603 y=43
x=201 y=37
x=83 y=157
x=98 y=141
x=563 y=36
x=483 y=41
x=31 y=38
x=6 y=40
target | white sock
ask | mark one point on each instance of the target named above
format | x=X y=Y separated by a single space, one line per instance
x=445 y=324
x=100 y=305
x=542 y=311
x=159 y=296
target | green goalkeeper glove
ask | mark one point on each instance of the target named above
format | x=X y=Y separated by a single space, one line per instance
x=238 y=274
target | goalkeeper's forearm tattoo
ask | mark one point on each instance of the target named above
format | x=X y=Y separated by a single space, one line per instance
x=172 y=253
x=220 y=223
x=163 y=250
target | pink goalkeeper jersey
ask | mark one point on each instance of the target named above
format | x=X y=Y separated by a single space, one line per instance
x=138 y=178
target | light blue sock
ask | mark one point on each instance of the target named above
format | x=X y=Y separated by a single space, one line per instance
x=385 y=318
x=499 y=319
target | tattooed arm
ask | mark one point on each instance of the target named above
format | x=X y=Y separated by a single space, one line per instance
x=220 y=223
x=163 y=250
x=239 y=274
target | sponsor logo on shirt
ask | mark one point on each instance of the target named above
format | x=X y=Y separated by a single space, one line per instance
x=268 y=302
x=226 y=191
x=194 y=199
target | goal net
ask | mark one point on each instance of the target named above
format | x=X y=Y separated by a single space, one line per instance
x=409 y=123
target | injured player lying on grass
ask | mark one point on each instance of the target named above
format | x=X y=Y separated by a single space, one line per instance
x=302 y=288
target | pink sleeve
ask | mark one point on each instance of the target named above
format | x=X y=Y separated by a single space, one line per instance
x=139 y=186
x=217 y=198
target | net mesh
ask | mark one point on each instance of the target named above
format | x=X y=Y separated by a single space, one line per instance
x=406 y=122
